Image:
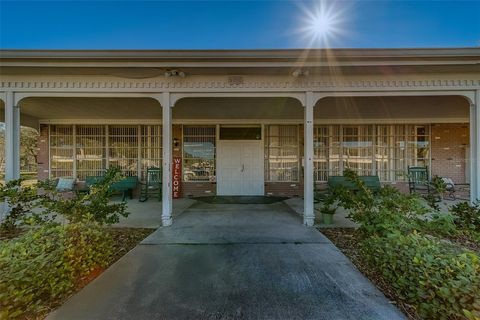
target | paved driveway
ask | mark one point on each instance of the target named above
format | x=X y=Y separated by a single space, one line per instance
x=231 y=262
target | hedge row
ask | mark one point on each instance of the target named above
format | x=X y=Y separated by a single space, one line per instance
x=44 y=264
x=442 y=281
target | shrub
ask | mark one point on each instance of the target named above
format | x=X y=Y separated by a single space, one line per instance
x=44 y=264
x=382 y=213
x=442 y=281
x=20 y=200
x=440 y=224
x=93 y=206
x=467 y=216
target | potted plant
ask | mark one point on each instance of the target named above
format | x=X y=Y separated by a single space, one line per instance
x=328 y=209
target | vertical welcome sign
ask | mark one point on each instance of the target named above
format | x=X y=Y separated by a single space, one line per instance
x=176 y=177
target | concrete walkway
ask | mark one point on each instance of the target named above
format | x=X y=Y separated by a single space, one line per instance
x=231 y=262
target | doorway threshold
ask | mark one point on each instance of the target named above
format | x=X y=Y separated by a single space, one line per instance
x=240 y=199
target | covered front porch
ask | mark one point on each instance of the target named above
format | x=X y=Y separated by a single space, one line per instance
x=271 y=144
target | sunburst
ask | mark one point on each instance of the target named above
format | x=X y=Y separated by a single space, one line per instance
x=322 y=23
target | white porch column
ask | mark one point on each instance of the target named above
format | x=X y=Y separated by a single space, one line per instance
x=475 y=148
x=12 y=138
x=308 y=208
x=167 y=159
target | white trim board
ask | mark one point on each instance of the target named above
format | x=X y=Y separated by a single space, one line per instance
x=256 y=121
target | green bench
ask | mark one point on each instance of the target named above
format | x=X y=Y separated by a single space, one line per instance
x=371 y=182
x=125 y=186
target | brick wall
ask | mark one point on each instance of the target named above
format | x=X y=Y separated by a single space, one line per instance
x=449 y=142
x=284 y=189
x=42 y=156
x=198 y=189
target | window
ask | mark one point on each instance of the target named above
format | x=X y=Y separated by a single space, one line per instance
x=326 y=159
x=123 y=148
x=383 y=150
x=357 y=143
x=199 y=153
x=385 y=160
x=61 y=151
x=151 y=148
x=281 y=153
x=91 y=152
x=421 y=146
x=88 y=150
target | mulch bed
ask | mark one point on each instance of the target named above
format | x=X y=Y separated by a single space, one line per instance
x=11 y=234
x=125 y=239
x=347 y=240
x=466 y=241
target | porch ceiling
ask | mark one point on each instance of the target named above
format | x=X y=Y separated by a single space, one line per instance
x=91 y=108
x=430 y=108
x=25 y=119
x=238 y=108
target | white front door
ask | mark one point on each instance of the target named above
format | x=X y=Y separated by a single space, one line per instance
x=240 y=167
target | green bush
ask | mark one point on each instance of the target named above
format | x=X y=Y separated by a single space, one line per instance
x=44 y=264
x=467 y=216
x=20 y=200
x=440 y=280
x=380 y=214
x=92 y=206
x=440 y=224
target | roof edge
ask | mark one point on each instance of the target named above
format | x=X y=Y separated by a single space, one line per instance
x=345 y=53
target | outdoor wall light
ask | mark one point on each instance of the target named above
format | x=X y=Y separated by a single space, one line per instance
x=175 y=73
x=176 y=142
x=300 y=73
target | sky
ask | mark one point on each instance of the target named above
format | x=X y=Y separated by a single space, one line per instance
x=244 y=24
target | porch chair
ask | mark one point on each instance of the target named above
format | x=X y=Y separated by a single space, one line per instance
x=450 y=188
x=152 y=185
x=419 y=180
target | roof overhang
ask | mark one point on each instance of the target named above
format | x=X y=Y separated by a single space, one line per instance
x=151 y=63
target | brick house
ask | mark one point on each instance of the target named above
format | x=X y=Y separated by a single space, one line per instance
x=246 y=122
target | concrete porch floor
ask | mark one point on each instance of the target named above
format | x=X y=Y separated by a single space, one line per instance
x=148 y=214
x=340 y=219
x=231 y=262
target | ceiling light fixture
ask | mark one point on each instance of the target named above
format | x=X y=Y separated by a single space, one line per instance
x=300 y=73
x=175 y=73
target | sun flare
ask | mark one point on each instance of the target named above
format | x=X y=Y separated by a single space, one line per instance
x=322 y=23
